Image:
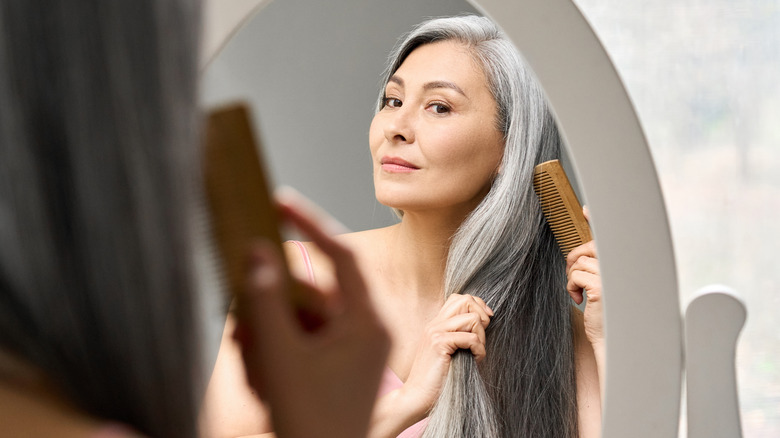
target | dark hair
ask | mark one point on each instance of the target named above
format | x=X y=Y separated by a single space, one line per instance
x=97 y=136
x=505 y=253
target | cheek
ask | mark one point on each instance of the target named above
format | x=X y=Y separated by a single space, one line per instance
x=489 y=148
x=375 y=135
x=494 y=153
x=475 y=153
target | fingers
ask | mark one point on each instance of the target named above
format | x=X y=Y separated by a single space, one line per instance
x=587 y=249
x=461 y=324
x=587 y=264
x=447 y=343
x=482 y=302
x=266 y=291
x=581 y=280
x=582 y=269
x=584 y=274
x=464 y=303
x=465 y=322
x=468 y=341
x=319 y=227
x=265 y=316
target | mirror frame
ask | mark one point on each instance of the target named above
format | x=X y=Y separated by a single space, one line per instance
x=612 y=161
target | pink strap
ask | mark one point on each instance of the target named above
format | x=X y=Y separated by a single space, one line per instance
x=306 y=261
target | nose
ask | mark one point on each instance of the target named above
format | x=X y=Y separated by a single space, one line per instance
x=400 y=125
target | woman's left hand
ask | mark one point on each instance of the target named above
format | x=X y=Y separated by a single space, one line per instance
x=582 y=270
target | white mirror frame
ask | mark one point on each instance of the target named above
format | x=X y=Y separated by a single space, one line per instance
x=616 y=171
x=221 y=20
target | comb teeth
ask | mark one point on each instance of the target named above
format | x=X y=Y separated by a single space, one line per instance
x=560 y=206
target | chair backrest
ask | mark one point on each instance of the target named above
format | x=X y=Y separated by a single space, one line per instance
x=713 y=321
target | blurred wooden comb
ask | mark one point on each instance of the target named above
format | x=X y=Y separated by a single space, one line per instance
x=241 y=210
x=560 y=206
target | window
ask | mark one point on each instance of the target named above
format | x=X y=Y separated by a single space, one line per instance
x=704 y=76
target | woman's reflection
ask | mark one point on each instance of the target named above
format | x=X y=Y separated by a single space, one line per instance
x=470 y=282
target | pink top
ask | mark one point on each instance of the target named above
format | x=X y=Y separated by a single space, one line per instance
x=390 y=381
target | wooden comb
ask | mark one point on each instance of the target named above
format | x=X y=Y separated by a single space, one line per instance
x=240 y=207
x=560 y=206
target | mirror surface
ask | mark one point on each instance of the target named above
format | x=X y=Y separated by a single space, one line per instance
x=311 y=73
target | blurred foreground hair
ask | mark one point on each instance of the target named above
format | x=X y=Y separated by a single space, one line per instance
x=97 y=137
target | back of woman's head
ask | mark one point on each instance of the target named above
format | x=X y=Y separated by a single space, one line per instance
x=96 y=138
x=505 y=253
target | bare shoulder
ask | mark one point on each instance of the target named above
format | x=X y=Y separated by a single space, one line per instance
x=296 y=252
x=362 y=243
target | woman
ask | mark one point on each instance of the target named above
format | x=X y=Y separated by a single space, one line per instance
x=471 y=282
x=98 y=321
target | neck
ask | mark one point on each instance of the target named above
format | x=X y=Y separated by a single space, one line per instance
x=417 y=251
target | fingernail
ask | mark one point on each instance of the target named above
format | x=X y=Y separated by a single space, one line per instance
x=263 y=273
x=264 y=277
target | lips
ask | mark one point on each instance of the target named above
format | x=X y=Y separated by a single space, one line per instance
x=397 y=165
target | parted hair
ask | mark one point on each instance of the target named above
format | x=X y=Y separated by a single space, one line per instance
x=505 y=253
x=97 y=136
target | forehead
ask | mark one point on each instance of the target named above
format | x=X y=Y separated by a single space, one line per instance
x=443 y=60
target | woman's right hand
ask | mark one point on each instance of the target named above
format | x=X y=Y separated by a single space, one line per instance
x=318 y=381
x=460 y=324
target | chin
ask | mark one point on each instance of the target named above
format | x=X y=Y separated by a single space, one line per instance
x=398 y=200
x=389 y=201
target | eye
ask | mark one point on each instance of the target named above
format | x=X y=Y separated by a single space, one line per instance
x=392 y=102
x=439 y=108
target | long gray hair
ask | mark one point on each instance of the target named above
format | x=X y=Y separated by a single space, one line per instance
x=505 y=253
x=97 y=137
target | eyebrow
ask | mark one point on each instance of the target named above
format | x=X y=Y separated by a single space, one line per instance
x=431 y=85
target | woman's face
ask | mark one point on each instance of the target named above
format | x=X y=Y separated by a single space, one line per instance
x=434 y=144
